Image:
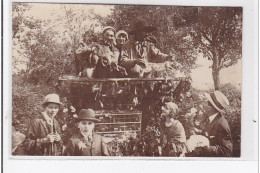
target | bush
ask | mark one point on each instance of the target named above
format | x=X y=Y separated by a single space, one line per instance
x=27 y=99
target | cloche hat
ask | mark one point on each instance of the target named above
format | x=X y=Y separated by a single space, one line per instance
x=122 y=32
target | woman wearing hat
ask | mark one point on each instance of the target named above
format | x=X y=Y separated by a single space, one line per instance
x=121 y=38
x=217 y=127
x=85 y=142
x=44 y=131
x=140 y=51
x=173 y=138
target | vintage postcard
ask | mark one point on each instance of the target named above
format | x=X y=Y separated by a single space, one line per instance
x=153 y=81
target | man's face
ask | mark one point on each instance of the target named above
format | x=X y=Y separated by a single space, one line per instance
x=109 y=36
x=86 y=127
x=207 y=108
x=140 y=35
x=52 y=109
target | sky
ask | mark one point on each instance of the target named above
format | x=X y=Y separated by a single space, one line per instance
x=201 y=76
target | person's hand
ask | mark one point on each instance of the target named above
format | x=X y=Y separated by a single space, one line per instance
x=140 y=62
x=169 y=58
x=57 y=137
x=64 y=127
x=50 y=138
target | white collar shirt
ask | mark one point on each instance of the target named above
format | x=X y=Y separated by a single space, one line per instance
x=212 y=117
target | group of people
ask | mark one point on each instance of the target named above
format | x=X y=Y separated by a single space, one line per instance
x=131 y=55
x=214 y=137
x=44 y=132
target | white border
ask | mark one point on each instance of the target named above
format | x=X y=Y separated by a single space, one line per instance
x=249 y=150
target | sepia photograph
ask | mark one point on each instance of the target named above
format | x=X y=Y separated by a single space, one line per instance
x=146 y=81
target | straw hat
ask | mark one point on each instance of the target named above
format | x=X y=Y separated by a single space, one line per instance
x=218 y=100
x=87 y=114
x=52 y=98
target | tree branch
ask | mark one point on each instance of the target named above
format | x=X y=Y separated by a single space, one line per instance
x=205 y=36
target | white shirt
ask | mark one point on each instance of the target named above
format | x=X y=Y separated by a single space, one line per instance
x=212 y=117
x=88 y=137
x=47 y=118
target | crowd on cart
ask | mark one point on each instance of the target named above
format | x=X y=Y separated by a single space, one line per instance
x=118 y=56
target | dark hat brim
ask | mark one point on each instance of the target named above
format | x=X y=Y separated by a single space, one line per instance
x=146 y=28
x=88 y=119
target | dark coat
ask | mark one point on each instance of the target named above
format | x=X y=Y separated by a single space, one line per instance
x=219 y=134
x=79 y=146
x=37 y=133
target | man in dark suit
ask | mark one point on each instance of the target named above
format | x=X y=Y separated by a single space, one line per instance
x=217 y=127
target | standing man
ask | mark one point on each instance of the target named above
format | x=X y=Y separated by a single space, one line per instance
x=217 y=127
x=137 y=53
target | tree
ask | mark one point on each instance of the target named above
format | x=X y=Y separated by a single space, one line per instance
x=18 y=10
x=218 y=34
x=173 y=37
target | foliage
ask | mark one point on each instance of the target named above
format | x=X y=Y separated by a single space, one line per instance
x=47 y=59
x=18 y=10
x=172 y=38
x=26 y=101
x=218 y=35
x=181 y=31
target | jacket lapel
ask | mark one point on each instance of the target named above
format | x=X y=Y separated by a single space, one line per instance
x=44 y=123
x=212 y=126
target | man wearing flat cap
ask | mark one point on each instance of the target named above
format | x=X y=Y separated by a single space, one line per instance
x=136 y=54
x=217 y=127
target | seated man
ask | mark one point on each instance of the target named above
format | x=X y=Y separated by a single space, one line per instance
x=217 y=127
x=136 y=54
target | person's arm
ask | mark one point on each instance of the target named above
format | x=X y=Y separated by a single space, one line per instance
x=104 y=150
x=125 y=60
x=158 y=56
x=70 y=148
x=33 y=140
x=224 y=144
x=33 y=136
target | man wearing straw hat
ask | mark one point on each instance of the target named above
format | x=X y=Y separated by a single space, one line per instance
x=137 y=54
x=217 y=128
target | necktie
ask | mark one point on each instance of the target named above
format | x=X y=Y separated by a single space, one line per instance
x=139 y=49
